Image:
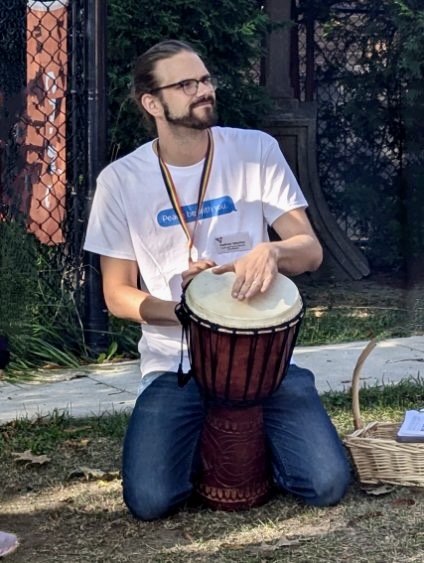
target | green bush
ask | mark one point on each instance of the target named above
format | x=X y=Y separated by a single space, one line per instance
x=18 y=276
x=370 y=92
x=408 y=16
x=37 y=312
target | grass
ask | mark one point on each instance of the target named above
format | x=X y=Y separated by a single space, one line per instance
x=70 y=509
x=344 y=324
x=41 y=307
x=355 y=310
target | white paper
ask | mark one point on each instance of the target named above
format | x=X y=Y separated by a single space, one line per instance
x=412 y=425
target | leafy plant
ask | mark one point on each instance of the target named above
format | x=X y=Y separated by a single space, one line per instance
x=408 y=15
x=369 y=88
x=37 y=311
x=18 y=276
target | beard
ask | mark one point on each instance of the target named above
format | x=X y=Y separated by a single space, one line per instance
x=192 y=121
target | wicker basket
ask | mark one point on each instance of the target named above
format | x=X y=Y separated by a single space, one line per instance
x=376 y=455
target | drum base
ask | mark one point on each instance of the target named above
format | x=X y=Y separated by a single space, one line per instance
x=236 y=470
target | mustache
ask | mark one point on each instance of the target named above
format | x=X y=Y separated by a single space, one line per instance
x=201 y=101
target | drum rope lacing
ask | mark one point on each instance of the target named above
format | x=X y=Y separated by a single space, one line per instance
x=184 y=319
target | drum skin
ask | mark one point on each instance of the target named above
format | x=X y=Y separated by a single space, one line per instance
x=237 y=368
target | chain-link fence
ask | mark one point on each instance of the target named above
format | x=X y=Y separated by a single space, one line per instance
x=43 y=173
x=347 y=64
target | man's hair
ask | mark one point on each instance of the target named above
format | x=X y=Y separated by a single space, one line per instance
x=144 y=79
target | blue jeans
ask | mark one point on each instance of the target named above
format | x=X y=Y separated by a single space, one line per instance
x=161 y=448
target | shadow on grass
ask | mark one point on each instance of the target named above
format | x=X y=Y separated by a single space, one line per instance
x=90 y=524
x=82 y=520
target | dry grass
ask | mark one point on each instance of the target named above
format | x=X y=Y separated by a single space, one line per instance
x=63 y=518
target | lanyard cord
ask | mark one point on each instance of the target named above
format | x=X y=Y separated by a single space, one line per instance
x=172 y=192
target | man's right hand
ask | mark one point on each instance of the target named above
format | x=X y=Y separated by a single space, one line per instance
x=194 y=269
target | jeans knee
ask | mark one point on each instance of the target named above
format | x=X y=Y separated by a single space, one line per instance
x=147 y=504
x=329 y=489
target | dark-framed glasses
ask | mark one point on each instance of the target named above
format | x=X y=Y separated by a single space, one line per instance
x=190 y=86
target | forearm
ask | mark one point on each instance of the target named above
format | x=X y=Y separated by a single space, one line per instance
x=299 y=254
x=129 y=303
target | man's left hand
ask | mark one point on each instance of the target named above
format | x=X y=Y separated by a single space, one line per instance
x=194 y=269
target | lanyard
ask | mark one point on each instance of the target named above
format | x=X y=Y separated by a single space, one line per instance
x=172 y=192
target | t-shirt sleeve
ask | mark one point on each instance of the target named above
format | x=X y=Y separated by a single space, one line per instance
x=107 y=230
x=281 y=191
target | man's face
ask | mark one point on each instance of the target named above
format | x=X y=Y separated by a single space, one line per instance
x=194 y=111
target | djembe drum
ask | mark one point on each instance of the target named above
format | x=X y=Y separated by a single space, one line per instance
x=239 y=353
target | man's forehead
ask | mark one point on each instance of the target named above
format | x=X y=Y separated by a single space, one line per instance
x=180 y=66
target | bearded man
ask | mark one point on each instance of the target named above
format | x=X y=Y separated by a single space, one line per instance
x=161 y=215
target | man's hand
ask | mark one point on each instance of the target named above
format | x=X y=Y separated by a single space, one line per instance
x=297 y=252
x=194 y=269
x=254 y=271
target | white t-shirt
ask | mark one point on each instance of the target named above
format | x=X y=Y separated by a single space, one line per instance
x=132 y=218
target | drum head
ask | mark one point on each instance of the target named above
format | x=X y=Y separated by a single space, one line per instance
x=208 y=296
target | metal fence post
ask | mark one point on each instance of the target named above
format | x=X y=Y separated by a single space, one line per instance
x=96 y=317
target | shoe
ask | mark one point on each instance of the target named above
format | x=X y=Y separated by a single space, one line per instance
x=8 y=543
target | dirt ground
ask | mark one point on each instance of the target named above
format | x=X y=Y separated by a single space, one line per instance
x=87 y=522
x=70 y=509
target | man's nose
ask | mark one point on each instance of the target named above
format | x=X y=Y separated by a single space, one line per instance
x=204 y=88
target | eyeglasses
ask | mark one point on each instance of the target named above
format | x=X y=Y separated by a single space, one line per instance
x=190 y=86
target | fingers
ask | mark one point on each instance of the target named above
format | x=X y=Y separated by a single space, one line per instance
x=248 y=287
x=224 y=268
x=194 y=269
x=254 y=272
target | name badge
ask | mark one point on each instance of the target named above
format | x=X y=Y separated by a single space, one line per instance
x=233 y=243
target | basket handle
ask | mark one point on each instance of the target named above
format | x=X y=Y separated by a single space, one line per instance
x=357 y=421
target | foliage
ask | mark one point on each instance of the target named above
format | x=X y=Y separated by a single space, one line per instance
x=228 y=35
x=18 y=275
x=408 y=16
x=37 y=309
x=37 y=312
x=369 y=88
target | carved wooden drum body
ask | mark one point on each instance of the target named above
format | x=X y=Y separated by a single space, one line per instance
x=239 y=352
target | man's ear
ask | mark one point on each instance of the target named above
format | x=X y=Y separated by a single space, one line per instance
x=151 y=104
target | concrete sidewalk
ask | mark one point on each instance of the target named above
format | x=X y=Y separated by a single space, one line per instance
x=96 y=389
